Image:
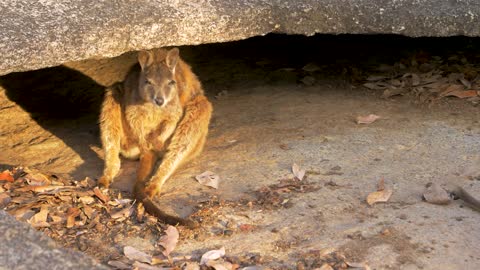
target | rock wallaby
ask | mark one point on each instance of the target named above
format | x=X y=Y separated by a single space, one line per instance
x=158 y=112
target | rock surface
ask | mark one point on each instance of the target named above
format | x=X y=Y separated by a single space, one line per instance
x=37 y=34
x=25 y=248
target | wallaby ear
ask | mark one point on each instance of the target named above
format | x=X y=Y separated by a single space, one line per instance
x=172 y=59
x=145 y=58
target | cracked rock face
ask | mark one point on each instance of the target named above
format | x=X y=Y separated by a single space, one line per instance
x=37 y=34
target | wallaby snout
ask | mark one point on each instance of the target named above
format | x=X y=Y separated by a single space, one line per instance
x=158 y=101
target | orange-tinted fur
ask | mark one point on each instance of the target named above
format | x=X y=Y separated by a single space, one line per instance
x=158 y=111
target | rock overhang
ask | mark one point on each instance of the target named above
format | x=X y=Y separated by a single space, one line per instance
x=49 y=33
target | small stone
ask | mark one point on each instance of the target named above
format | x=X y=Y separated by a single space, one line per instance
x=308 y=80
x=435 y=194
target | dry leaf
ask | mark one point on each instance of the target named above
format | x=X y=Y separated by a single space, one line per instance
x=144 y=266
x=390 y=92
x=208 y=178
x=104 y=198
x=326 y=251
x=41 y=189
x=311 y=67
x=86 y=199
x=437 y=87
x=56 y=220
x=136 y=255
x=376 y=85
x=415 y=79
x=123 y=201
x=6 y=176
x=379 y=196
x=452 y=88
x=308 y=80
x=325 y=266
x=124 y=213
x=466 y=83
x=397 y=83
x=37 y=179
x=170 y=240
x=367 y=119
x=363 y=265
x=191 y=266
x=72 y=213
x=373 y=78
x=212 y=255
x=40 y=219
x=160 y=259
x=22 y=213
x=219 y=264
x=119 y=265
x=298 y=172
x=462 y=94
x=4 y=199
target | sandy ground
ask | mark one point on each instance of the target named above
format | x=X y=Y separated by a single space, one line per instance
x=264 y=121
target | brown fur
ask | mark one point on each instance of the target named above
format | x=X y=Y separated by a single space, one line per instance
x=158 y=111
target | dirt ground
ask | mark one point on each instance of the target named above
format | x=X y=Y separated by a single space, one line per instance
x=267 y=116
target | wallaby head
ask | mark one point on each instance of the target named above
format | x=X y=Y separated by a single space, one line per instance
x=157 y=77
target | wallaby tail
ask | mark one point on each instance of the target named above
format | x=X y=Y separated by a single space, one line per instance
x=470 y=200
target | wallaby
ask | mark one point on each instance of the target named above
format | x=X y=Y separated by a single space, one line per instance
x=158 y=111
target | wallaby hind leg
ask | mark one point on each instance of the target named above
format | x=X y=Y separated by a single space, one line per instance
x=146 y=164
x=186 y=142
x=111 y=134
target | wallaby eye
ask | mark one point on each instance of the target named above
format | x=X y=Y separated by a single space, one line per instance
x=171 y=83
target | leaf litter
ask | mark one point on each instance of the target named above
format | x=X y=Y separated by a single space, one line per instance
x=82 y=216
x=433 y=79
x=278 y=195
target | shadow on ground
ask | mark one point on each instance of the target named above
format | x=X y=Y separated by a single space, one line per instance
x=62 y=101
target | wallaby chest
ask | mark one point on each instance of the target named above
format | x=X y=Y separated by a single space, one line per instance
x=149 y=125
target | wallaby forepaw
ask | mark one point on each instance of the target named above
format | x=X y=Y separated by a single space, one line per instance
x=104 y=181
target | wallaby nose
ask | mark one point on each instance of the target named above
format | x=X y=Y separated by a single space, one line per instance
x=158 y=100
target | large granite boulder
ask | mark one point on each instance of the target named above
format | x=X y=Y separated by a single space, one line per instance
x=37 y=34
x=23 y=247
